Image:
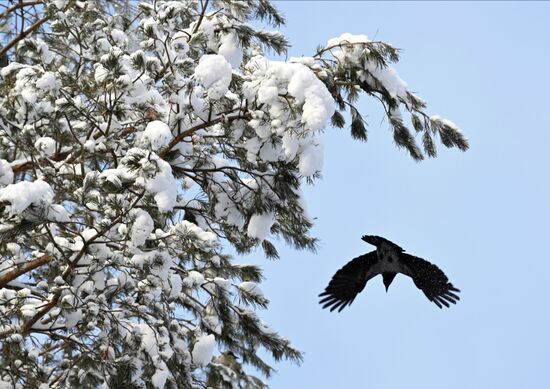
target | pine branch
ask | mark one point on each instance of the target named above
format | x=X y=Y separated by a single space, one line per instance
x=27 y=267
x=72 y=265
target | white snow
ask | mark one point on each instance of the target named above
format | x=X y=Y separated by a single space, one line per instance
x=161 y=375
x=301 y=83
x=230 y=49
x=6 y=172
x=164 y=187
x=200 y=237
x=214 y=73
x=100 y=73
x=58 y=213
x=157 y=177
x=227 y=210
x=347 y=38
x=291 y=144
x=157 y=134
x=10 y=68
x=179 y=44
x=318 y=103
x=352 y=48
x=72 y=317
x=47 y=82
x=119 y=37
x=60 y=4
x=311 y=159
x=389 y=78
x=45 y=145
x=260 y=224
x=251 y=288
x=176 y=284
x=29 y=95
x=203 y=350
x=28 y=310
x=143 y=227
x=22 y=194
x=267 y=94
x=43 y=49
x=194 y=278
x=270 y=152
x=222 y=283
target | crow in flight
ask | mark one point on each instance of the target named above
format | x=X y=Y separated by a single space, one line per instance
x=388 y=259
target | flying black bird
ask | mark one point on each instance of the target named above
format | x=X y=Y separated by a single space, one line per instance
x=388 y=259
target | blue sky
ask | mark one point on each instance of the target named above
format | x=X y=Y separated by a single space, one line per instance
x=482 y=216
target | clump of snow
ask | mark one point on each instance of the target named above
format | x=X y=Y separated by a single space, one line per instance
x=72 y=317
x=157 y=134
x=230 y=49
x=195 y=234
x=291 y=144
x=194 y=278
x=43 y=49
x=251 y=288
x=157 y=177
x=267 y=94
x=389 y=78
x=352 y=48
x=60 y=4
x=156 y=344
x=176 y=284
x=22 y=194
x=203 y=350
x=100 y=73
x=222 y=283
x=148 y=339
x=164 y=187
x=10 y=68
x=58 y=213
x=143 y=227
x=6 y=172
x=214 y=73
x=119 y=37
x=45 y=146
x=318 y=102
x=28 y=310
x=179 y=44
x=47 y=82
x=225 y=208
x=347 y=38
x=299 y=81
x=161 y=375
x=311 y=159
x=260 y=224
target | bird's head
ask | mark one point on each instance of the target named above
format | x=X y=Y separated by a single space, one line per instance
x=388 y=278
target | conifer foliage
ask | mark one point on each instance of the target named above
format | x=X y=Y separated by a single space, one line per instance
x=138 y=141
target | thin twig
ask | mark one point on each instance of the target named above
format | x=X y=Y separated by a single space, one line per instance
x=18 y=6
x=21 y=36
x=200 y=17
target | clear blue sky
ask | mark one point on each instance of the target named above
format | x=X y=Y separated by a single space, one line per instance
x=482 y=216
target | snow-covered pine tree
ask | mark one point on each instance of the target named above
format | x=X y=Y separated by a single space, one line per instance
x=137 y=141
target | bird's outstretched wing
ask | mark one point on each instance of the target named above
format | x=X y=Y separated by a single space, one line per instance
x=431 y=280
x=348 y=282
